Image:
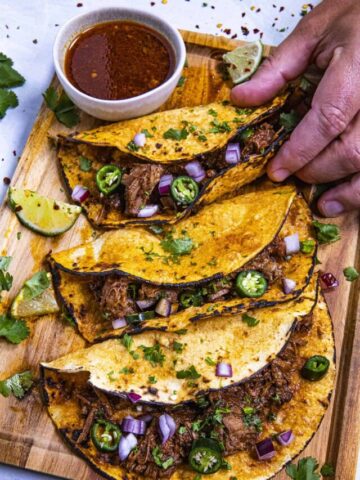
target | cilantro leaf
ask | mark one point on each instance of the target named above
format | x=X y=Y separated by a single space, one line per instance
x=190 y=373
x=176 y=134
x=181 y=81
x=5 y=59
x=326 y=232
x=304 y=470
x=9 y=77
x=15 y=331
x=5 y=277
x=85 y=164
x=36 y=285
x=177 y=246
x=127 y=341
x=153 y=354
x=250 y=321
x=5 y=263
x=8 y=99
x=64 y=109
x=16 y=385
x=178 y=347
x=219 y=127
x=351 y=274
x=289 y=120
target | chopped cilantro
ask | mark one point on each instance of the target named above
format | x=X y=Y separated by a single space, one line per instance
x=190 y=373
x=182 y=430
x=85 y=164
x=253 y=420
x=64 y=109
x=177 y=246
x=132 y=147
x=176 y=134
x=127 y=370
x=247 y=133
x=243 y=111
x=127 y=341
x=219 y=127
x=153 y=354
x=307 y=246
x=15 y=331
x=212 y=112
x=181 y=81
x=250 y=321
x=6 y=278
x=326 y=232
x=327 y=470
x=36 y=285
x=17 y=385
x=210 y=361
x=248 y=410
x=304 y=470
x=158 y=458
x=147 y=133
x=157 y=229
x=289 y=120
x=152 y=379
x=110 y=376
x=149 y=254
x=351 y=274
x=182 y=331
x=178 y=347
x=202 y=138
x=8 y=99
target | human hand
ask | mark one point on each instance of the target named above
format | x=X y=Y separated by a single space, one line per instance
x=325 y=146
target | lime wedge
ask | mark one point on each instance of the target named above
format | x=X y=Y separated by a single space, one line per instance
x=41 y=214
x=40 y=305
x=243 y=61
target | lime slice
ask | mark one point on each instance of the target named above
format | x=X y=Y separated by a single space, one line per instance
x=243 y=61
x=41 y=214
x=41 y=305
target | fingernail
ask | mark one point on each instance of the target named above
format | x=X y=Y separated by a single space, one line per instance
x=332 y=208
x=279 y=175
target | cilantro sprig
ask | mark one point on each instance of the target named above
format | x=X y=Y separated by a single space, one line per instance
x=17 y=385
x=64 y=109
x=326 y=232
x=6 y=278
x=15 y=331
x=9 y=78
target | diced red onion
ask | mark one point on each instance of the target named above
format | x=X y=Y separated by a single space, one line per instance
x=126 y=444
x=232 y=154
x=265 y=449
x=288 y=285
x=80 y=193
x=119 y=323
x=167 y=427
x=292 y=243
x=134 y=397
x=224 y=369
x=146 y=418
x=328 y=280
x=133 y=425
x=163 y=307
x=195 y=171
x=285 y=438
x=148 y=211
x=140 y=139
x=165 y=183
x=145 y=304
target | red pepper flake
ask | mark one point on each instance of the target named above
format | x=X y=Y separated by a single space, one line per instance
x=35 y=41
x=256 y=30
x=245 y=31
x=261 y=34
x=234 y=36
x=212 y=6
x=281 y=9
x=258 y=10
x=79 y=5
x=152 y=4
x=6 y=180
x=14 y=153
x=197 y=26
x=227 y=31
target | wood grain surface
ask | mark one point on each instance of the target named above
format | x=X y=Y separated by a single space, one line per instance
x=27 y=436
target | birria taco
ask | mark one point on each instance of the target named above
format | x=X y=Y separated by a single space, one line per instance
x=157 y=168
x=233 y=255
x=236 y=412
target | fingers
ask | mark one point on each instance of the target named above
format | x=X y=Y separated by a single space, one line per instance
x=334 y=105
x=339 y=160
x=343 y=198
x=288 y=61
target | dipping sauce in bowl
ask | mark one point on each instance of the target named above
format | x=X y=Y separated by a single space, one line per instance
x=116 y=60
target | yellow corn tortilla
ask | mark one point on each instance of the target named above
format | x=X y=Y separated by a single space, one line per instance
x=231 y=226
x=302 y=415
x=118 y=135
x=239 y=346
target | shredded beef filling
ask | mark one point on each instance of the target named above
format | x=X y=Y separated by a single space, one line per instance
x=219 y=414
x=259 y=140
x=118 y=296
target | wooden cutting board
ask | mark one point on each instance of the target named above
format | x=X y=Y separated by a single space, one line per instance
x=27 y=436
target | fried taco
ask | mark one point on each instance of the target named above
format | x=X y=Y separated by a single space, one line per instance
x=233 y=255
x=157 y=168
x=252 y=425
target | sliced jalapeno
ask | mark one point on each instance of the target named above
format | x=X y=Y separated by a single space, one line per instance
x=108 y=179
x=184 y=190
x=250 y=283
x=136 y=318
x=191 y=299
x=315 y=368
x=205 y=456
x=105 y=435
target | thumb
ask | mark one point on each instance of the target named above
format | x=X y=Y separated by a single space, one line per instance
x=286 y=63
x=343 y=198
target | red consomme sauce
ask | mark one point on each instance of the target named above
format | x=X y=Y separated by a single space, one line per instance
x=118 y=59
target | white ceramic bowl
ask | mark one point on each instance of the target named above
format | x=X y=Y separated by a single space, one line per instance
x=130 y=107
